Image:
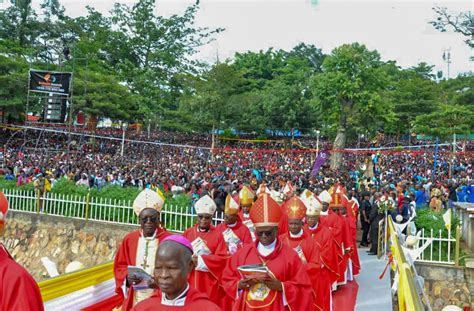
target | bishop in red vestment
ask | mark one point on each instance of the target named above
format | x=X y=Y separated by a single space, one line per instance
x=19 y=290
x=234 y=233
x=210 y=252
x=246 y=199
x=283 y=283
x=138 y=248
x=172 y=267
x=325 y=251
x=301 y=242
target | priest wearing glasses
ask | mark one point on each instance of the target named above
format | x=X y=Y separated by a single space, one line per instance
x=268 y=274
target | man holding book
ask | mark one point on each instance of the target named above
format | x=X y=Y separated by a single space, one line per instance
x=210 y=252
x=235 y=234
x=268 y=274
x=138 y=249
x=172 y=267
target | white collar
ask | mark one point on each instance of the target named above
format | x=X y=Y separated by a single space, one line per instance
x=315 y=227
x=266 y=250
x=232 y=225
x=298 y=235
x=325 y=213
x=153 y=237
x=246 y=215
x=200 y=230
x=178 y=301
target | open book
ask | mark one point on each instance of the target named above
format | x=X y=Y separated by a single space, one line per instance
x=200 y=247
x=257 y=271
x=141 y=274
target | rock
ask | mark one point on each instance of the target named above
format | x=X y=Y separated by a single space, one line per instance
x=75 y=247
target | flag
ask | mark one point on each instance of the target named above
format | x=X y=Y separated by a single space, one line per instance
x=257 y=174
x=322 y=156
x=447 y=219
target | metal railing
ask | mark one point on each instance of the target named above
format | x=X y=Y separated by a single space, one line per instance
x=407 y=291
x=444 y=250
x=88 y=208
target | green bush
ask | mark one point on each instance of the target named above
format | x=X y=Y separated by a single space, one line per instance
x=428 y=219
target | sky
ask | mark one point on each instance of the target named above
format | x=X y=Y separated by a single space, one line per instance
x=399 y=30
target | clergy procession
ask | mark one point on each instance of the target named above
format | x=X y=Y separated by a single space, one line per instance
x=273 y=251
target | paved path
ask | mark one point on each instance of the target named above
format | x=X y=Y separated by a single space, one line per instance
x=373 y=294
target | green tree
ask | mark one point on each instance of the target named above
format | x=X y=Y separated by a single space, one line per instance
x=13 y=81
x=348 y=90
x=215 y=100
x=462 y=23
x=448 y=120
x=411 y=92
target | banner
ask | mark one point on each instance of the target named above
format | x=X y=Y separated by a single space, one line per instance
x=50 y=82
x=322 y=156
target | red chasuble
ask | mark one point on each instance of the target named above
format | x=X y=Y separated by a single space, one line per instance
x=304 y=246
x=18 y=290
x=326 y=252
x=126 y=256
x=240 y=231
x=195 y=300
x=354 y=256
x=208 y=282
x=339 y=232
x=285 y=265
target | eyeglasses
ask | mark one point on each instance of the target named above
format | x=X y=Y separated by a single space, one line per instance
x=266 y=233
x=207 y=217
x=144 y=220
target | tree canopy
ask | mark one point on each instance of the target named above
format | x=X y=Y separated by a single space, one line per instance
x=135 y=65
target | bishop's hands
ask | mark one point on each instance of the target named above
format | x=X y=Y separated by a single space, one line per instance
x=247 y=283
x=271 y=283
x=133 y=279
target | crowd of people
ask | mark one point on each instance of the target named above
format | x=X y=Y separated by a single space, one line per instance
x=289 y=236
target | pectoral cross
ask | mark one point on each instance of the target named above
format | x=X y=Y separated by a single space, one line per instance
x=145 y=265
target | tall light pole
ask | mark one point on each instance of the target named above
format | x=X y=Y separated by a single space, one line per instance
x=317 y=141
x=123 y=138
x=447 y=59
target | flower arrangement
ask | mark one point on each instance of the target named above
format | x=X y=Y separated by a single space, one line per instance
x=386 y=204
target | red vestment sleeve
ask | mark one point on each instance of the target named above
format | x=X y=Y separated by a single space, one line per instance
x=125 y=256
x=19 y=290
x=297 y=288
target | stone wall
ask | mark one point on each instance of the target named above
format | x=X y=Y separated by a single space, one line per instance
x=29 y=237
x=447 y=285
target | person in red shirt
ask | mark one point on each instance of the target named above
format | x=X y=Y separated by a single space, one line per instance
x=210 y=252
x=172 y=267
x=139 y=247
x=286 y=284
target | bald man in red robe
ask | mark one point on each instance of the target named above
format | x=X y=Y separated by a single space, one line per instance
x=138 y=248
x=285 y=285
x=172 y=267
x=210 y=253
